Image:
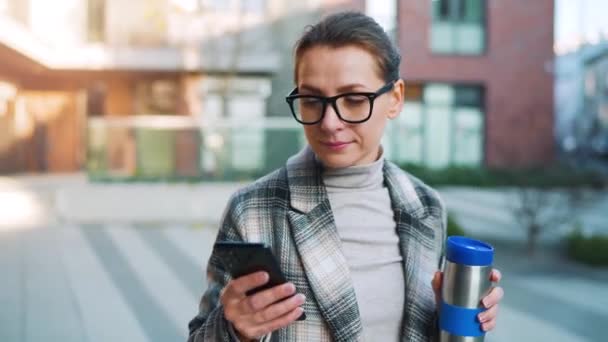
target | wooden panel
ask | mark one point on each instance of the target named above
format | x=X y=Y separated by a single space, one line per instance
x=56 y=142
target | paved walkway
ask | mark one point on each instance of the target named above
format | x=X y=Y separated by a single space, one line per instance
x=34 y=200
x=66 y=277
x=142 y=283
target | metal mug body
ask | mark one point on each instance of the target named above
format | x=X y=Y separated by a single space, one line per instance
x=464 y=286
x=445 y=336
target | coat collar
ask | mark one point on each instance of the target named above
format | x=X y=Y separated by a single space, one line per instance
x=306 y=188
x=307 y=191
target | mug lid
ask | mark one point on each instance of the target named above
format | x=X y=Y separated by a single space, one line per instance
x=467 y=251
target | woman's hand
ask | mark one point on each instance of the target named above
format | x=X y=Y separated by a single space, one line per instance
x=490 y=301
x=259 y=314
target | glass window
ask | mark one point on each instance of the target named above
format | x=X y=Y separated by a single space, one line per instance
x=441 y=10
x=467 y=136
x=439 y=94
x=440 y=125
x=247 y=142
x=458 y=27
x=467 y=96
x=437 y=136
x=96 y=21
x=385 y=13
x=468 y=39
x=213 y=108
x=472 y=10
x=409 y=131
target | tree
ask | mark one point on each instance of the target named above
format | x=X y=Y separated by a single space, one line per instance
x=541 y=210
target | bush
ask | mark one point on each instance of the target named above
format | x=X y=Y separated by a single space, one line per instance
x=556 y=176
x=454 y=227
x=592 y=250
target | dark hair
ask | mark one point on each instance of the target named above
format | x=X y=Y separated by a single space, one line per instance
x=352 y=28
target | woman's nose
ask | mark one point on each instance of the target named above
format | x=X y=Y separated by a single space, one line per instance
x=331 y=121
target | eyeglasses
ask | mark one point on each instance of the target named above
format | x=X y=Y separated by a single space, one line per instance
x=355 y=107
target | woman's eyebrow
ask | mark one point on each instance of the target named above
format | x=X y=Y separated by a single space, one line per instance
x=351 y=87
x=341 y=89
x=310 y=89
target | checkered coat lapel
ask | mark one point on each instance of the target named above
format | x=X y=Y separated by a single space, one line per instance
x=421 y=226
x=320 y=249
x=420 y=219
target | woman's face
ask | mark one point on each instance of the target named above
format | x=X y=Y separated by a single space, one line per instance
x=329 y=71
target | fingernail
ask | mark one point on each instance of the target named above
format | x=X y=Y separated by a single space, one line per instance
x=481 y=318
x=485 y=303
x=289 y=287
x=301 y=297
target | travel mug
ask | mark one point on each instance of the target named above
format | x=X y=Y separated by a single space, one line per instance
x=466 y=280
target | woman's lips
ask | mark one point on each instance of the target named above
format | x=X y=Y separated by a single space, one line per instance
x=336 y=146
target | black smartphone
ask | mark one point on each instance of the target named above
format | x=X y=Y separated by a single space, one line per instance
x=242 y=258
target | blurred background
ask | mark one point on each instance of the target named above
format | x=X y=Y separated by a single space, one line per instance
x=125 y=127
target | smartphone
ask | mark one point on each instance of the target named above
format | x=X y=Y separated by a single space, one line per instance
x=242 y=258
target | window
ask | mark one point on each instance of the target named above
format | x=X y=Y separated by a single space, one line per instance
x=96 y=21
x=458 y=27
x=385 y=13
x=237 y=102
x=441 y=125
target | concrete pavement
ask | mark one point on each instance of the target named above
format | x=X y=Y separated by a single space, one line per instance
x=78 y=270
x=486 y=213
x=142 y=283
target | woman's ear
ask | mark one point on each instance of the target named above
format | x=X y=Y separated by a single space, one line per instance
x=396 y=99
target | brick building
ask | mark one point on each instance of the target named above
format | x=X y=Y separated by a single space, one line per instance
x=479 y=74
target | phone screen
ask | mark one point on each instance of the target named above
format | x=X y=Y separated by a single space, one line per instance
x=242 y=258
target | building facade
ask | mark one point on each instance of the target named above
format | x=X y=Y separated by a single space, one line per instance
x=480 y=81
x=74 y=73
x=581 y=100
x=95 y=59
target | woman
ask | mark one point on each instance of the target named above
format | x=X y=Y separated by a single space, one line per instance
x=359 y=240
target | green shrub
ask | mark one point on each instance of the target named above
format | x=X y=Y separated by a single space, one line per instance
x=454 y=227
x=592 y=250
x=555 y=176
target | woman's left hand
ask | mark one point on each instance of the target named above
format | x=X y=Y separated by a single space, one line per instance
x=490 y=301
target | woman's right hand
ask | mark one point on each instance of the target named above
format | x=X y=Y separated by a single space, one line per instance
x=259 y=314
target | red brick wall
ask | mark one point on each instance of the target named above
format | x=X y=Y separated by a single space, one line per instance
x=515 y=71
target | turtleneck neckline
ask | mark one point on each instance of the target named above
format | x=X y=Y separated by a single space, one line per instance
x=359 y=177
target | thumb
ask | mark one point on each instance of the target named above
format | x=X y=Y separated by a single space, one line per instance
x=436 y=284
x=437 y=280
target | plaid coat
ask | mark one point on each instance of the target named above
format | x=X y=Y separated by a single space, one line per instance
x=289 y=210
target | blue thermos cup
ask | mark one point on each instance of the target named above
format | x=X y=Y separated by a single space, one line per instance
x=466 y=280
